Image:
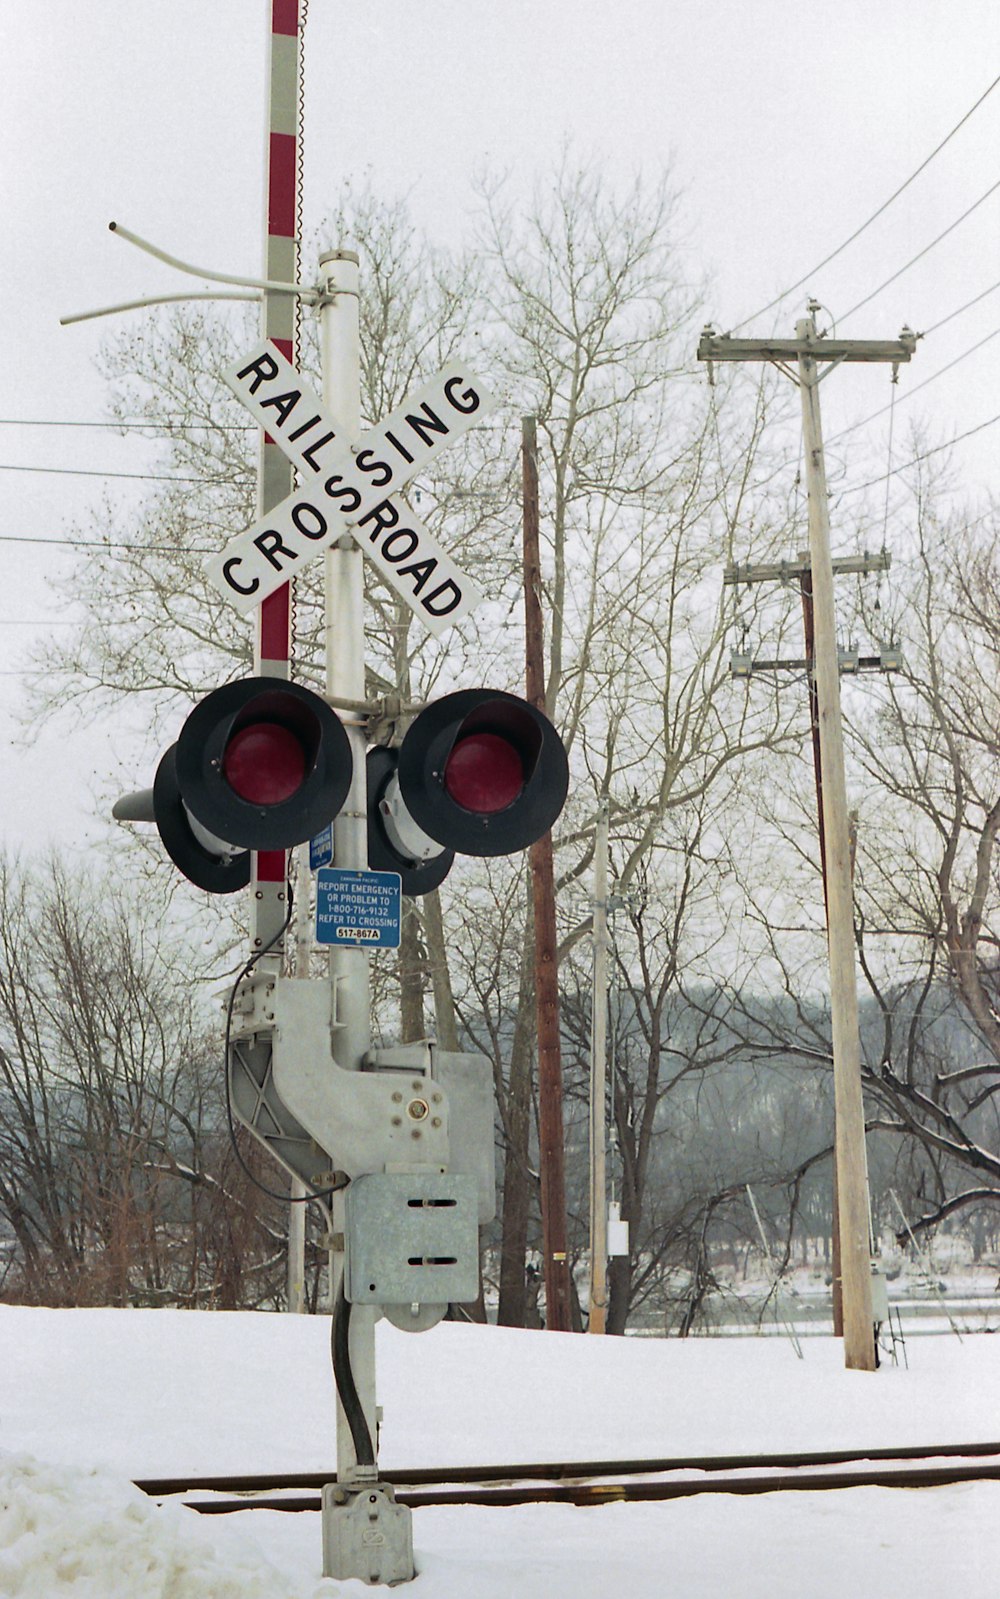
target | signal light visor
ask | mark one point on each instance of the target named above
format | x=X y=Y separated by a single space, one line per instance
x=483 y=772
x=263 y=764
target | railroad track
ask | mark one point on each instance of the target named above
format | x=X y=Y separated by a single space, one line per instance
x=600 y=1482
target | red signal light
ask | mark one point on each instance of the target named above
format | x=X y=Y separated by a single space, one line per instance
x=264 y=764
x=484 y=774
x=481 y=772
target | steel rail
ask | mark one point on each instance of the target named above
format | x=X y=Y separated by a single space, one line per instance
x=563 y=1472
x=638 y=1491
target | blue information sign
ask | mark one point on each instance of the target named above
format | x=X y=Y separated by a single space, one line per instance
x=358 y=908
x=321 y=848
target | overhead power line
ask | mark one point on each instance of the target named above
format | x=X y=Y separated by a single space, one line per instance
x=84 y=471
x=104 y=544
x=854 y=488
x=115 y=427
x=966 y=307
x=874 y=216
x=916 y=387
x=925 y=251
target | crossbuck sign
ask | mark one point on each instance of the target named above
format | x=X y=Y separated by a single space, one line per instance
x=350 y=488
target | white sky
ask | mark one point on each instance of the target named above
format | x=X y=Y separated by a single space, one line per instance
x=786 y=124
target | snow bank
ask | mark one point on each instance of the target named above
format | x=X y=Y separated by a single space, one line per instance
x=154 y=1393
x=151 y=1393
x=90 y=1535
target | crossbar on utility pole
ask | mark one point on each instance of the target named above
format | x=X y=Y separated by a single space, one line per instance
x=807 y=350
x=808 y=344
x=783 y=571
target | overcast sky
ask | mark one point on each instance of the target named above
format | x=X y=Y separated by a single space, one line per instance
x=786 y=125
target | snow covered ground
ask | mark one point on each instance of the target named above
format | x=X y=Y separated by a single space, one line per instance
x=92 y=1398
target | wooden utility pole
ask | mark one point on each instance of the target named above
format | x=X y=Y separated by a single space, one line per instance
x=887 y=660
x=598 y=1085
x=807 y=350
x=551 y=1162
x=809 y=639
x=852 y=1165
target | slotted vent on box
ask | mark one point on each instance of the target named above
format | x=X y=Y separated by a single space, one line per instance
x=412 y=1239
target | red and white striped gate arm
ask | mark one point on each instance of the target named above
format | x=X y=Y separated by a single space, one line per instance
x=279 y=322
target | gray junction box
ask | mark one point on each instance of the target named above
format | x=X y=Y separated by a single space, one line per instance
x=412 y=1239
x=467 y=1081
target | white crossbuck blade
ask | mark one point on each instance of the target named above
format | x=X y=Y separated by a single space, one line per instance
x=350 y=488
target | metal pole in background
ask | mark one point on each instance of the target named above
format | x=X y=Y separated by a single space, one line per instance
x=345 y=679
x=598 y=1084
x=551 y=1160
x=852 y=1166
x=296 y=1275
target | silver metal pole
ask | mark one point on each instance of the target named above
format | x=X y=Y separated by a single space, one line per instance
x=598 y=1084
x=345 y=679
x=295 y=1297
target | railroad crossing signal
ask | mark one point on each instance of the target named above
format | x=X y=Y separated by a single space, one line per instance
x=479 y=772
x=350 y=488
x=262 y=764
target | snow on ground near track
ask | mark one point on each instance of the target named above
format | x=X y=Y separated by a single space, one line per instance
x=144 y=1393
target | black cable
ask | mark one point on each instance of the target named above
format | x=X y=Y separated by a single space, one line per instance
x=343 y=1377
x=883 y=207
x=853 y=488
x=921 y=253
x=272 y=1193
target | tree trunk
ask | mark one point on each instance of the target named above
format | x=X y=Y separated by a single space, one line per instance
x=446 y=1026
x=619 y=1285
x=411 y=976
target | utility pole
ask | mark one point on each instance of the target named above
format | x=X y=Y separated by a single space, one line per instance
x=809 y=639
x=807 y=350
x=888 y=659
x=555 y=1255
x=598 y=1084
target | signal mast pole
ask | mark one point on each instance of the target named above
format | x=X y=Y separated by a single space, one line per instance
x=598 y=1084
x=350 y=979
x=349 y=968
x=806 y=351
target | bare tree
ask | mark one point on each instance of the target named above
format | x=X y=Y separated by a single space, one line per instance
x=595 y=327
x=118 y=1181
x=929 y=887
x=584 y=316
